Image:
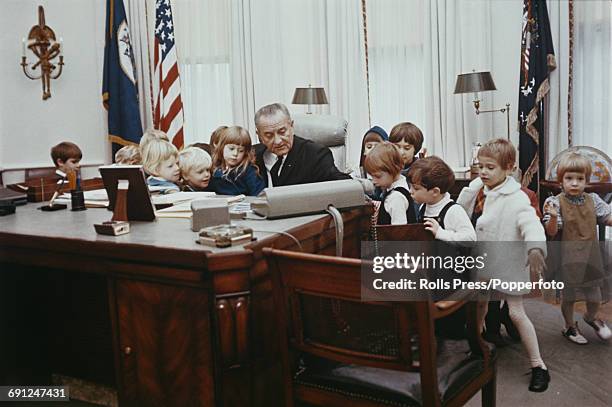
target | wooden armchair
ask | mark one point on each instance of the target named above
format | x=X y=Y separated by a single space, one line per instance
x=339 y=351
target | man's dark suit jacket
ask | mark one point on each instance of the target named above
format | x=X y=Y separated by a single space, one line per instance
x=306 y=162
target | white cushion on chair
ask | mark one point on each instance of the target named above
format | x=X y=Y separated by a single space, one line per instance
x=327 y=130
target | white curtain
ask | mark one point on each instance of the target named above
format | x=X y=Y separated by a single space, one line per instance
x=557 y=108
x=278 y=45
x=139 y=15
x=202 y=30
x=416 y=49
x=592 y=86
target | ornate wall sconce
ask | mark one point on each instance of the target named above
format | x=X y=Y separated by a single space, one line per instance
x=42 y=42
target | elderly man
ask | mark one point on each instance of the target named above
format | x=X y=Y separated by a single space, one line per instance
x=286 y=159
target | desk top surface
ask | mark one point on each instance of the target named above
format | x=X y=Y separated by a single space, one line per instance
x=166 y=233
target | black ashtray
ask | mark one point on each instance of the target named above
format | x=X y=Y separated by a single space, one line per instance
x=51 y=208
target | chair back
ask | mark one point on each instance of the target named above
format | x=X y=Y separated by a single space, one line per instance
x=38 y=173
x=327 y=130
x=318 y=299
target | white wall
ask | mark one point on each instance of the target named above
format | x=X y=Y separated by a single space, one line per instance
x=29 y=126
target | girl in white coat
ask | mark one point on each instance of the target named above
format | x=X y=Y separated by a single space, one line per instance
x=507 y=216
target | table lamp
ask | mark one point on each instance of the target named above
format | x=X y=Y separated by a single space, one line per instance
x=309 y=96
x=475 y=82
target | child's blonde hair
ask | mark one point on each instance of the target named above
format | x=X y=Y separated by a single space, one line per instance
x=152 y=134
x=193 y=158
x=216 y=135
x=128 y=155
x=384 y=157
x=501 y=150
x=155 y=152
x=239 y=136
x=573 y=162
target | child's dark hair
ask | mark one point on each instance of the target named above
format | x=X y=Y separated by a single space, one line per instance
x=432 y=172
x=384 y=157
x=239 y=136
x=65 y=151
x=409 y=133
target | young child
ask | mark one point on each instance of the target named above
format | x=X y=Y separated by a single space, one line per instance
x=507 y=216
x=575 y=215
x=430 y=180
x=195 y=164
x=371 y=139
x=384 y=164
x=408 y=139
x=160 y=160
x=66 y=157
x=128 y=155
x=235 y=172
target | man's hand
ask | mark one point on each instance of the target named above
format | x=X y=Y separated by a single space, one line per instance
x=537 y=264
x=432 y=225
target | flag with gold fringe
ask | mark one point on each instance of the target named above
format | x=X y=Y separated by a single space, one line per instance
x=537 y=61
x=119 y=90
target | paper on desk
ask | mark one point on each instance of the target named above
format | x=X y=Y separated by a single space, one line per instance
x=96 y=198
x=180 y=197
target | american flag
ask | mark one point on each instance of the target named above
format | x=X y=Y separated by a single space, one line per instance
x=168 y=107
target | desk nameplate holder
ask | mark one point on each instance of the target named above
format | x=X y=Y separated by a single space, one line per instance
x=118 y=225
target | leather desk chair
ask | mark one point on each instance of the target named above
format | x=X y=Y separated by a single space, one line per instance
x=353 y=353
x=327 y=130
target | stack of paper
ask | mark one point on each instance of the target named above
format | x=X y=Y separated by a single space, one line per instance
x=96 y=198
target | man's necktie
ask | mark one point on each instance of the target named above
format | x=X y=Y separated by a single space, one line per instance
x=275 y=170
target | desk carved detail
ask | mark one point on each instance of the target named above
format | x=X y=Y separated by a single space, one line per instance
x=233 y=320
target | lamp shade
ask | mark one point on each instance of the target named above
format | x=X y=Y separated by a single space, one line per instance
x=474 y=82
x=309 y=96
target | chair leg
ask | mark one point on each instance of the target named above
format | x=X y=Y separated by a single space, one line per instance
x=489 y=392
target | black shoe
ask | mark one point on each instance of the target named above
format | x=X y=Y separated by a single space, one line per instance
x=495 y=338
x=539 y=380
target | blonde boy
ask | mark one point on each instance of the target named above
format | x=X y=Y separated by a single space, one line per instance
x=128 y=155
x=506 y=215
x=195 y=164
x=160 y=160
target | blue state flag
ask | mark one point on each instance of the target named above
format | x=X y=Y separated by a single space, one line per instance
x=119 y=90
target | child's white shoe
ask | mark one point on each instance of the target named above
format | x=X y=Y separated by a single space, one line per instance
x=600 y=327
x=573 y=334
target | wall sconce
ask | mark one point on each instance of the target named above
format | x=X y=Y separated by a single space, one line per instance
x=475 y=82
x=309 y=96
x=41 y=41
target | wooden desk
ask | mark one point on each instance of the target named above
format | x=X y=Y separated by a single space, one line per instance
x=183 y=324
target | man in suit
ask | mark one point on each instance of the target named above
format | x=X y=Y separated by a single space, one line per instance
x=286 y=159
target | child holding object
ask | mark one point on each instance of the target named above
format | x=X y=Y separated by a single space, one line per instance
x=575 y=215
x=384 y=164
